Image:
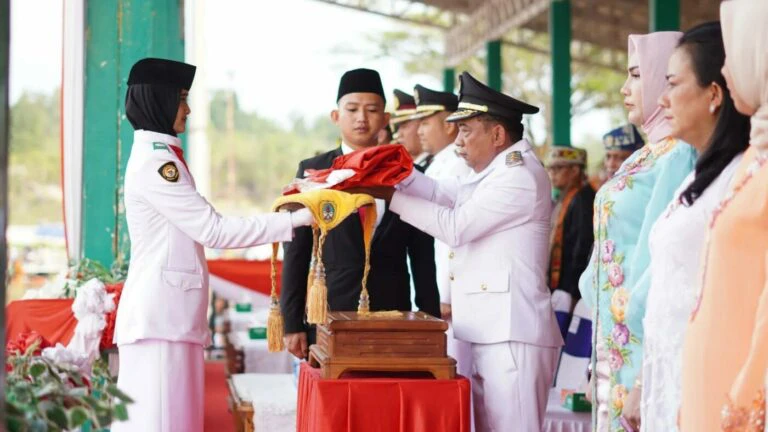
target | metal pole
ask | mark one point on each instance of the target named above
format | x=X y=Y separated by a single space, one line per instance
x=560 y=37
x=5 y=38
x=664 y=15
x=494 y=64
x=449 y=79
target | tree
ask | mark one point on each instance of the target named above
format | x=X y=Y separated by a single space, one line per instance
x=527 y=73
x=34 y=160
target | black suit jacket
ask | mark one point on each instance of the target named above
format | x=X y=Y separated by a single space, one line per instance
x=389 y=282
x=578 y=240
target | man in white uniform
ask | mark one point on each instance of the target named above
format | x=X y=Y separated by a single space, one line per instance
x=161 y=324
x=496 y=221
x=406 y=128
x=437 y=136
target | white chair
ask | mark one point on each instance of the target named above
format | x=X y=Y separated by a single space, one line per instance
x=575 y=358
x=562 y=303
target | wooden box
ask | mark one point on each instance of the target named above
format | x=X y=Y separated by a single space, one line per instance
x=410 y=342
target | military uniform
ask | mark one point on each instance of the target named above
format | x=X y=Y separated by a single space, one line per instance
x=161 y=324
x=496 y=223
x=446 y=164
x=405 y=110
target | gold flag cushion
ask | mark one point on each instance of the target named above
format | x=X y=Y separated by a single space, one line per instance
x=329 y=208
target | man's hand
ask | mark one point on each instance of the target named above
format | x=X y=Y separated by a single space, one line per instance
x=445 y=311
x=631 y=410
x=380 y=192
x=296 y=343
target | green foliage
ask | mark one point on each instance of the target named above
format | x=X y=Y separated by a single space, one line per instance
x=41 y=395
x=86 y=269
x=253 y=158
x=34 y=161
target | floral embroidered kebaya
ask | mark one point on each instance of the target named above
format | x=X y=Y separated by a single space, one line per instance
x=615 y=284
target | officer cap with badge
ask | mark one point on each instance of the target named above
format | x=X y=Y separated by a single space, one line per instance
x=405 y=107
x=624 y=138
x=430 y=102
x=476 y=98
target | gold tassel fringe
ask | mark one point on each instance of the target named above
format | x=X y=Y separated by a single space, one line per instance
x=317 y=298
x=275 y=324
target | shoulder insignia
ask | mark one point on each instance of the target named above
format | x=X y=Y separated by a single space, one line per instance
x=169 y=172
x=514 y=158
x=160 y=146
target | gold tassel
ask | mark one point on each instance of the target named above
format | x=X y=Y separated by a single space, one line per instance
x=313 y=261
x=369 y=218
x=275 y=324
x=317 y=299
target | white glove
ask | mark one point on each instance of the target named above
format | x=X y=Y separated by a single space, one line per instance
x=408 y=180
x=301 y=217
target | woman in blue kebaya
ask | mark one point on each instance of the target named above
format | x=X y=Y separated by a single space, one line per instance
x=615 y=283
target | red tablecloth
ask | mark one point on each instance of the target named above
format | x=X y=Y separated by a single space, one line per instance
x=381 y=404
x=254 y=275
x=52 y=319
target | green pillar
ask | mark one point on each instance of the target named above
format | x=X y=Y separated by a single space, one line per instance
x=664 y=15
x=560 y=38
x=494 y=64
x=118 y=34
x=449 y=79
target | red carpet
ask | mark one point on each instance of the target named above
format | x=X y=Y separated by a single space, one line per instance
x=217 y=415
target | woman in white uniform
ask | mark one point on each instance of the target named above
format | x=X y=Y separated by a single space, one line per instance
x=161 y=320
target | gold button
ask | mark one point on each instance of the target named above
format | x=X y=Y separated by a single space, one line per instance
x=450 y=276
x=483 y=287
x=451 y=255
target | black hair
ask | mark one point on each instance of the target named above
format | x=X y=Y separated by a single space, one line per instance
x=704 y=45
x=513 y=128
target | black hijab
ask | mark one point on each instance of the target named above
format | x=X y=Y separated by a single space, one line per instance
x=152 y=107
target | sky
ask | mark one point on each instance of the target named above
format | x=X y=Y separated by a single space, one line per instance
x=282 y=57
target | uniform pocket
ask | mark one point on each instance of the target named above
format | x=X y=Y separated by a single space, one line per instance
x=182 y=280
x=182 y=253
x=492 y=281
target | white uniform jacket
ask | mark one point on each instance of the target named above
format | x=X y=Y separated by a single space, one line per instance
x=166 y=294
x=445 y=165
x=497 y=225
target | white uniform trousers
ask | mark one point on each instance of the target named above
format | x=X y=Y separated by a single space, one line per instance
x=511 y=385
x=461 y=351
x=166 y=381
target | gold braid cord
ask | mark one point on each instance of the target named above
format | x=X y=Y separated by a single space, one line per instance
x=275 y=325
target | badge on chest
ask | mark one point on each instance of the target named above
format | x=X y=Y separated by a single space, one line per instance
x=169 y=172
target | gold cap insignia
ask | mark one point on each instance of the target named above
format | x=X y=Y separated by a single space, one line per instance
x=169 y=172
x=416 y=96
x=514 y=158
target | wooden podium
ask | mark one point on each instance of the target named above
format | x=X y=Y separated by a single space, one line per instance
x=410 y=342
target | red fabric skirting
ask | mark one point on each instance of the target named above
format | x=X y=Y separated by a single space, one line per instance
x=52 y=319
x=381 y=404
x=254 y=275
